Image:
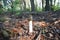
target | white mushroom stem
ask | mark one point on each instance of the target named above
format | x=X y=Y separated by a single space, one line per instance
x=30 y=27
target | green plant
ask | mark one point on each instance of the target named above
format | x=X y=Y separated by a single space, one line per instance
x=2 y=19
x=55 y=8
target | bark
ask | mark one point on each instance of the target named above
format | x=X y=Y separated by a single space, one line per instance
x=24 y=5
x=32 y=5
x=42 y=5
x=47 y=7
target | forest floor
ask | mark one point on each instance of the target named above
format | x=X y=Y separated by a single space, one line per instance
x=19 y=25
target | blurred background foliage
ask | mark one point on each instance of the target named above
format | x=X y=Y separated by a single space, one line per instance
x=18 y=6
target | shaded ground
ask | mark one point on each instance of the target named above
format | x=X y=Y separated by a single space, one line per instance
x=21 y=23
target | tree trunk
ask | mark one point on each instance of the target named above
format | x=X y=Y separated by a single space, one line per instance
x=5 y=2
x=51 y=5
x=32 y=5
x=0 y=5
x=47 y=7
x=24 y=5
x=42 y=5
x=36 y=5
x=54 y=2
